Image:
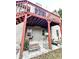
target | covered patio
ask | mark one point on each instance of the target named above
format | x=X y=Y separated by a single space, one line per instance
x=31 y=19
x=35 y=20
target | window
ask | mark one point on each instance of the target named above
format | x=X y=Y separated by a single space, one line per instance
x=36 y=11
x=22 y=7
x=39 y=11
x=29 y=32
x=43 y=31
x=28 y=9
x=57 y=33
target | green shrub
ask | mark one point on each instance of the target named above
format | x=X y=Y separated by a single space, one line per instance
x=26 y=44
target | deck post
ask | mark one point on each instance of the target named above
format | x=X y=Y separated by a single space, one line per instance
x=49 y=36
x=60 y=28
x=23 y=37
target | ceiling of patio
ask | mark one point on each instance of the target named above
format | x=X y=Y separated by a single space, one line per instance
x=35 y=21
x=53 y=23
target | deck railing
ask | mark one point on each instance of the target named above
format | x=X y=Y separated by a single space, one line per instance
x=33 y=8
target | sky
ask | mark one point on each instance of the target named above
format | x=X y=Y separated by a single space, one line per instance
x=50 y=5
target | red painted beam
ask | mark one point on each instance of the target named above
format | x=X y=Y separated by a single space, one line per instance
x=33 y=14
x=49 y=35
x=20 y=14
x=60 y=28
x=29 y=13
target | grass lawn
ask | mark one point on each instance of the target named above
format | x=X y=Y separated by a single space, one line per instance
x=56 y=54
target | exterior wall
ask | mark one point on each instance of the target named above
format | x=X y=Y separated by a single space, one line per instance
x=36 y=33
x=19 y=33
x=54 y=34
x=38 y=37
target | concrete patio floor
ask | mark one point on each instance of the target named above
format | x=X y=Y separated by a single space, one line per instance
x=56 y=51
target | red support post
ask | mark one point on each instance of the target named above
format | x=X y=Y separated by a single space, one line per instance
x=61 y=27
x=61 y=30
x=23 y=37
x=49 y=36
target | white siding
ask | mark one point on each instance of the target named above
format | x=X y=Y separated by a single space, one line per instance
x=36 y=33
x=54 y=34
x=38 y=37
x=19 y=32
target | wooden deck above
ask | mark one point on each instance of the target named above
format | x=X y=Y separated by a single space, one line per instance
x=26 y=7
